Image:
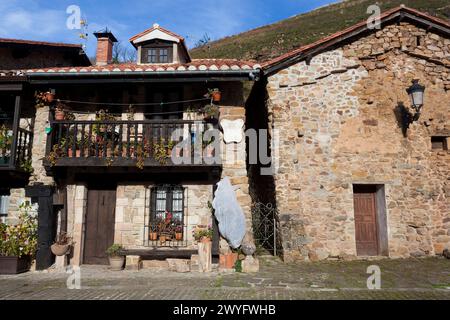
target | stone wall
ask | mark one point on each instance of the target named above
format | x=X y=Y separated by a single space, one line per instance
x=339 y=125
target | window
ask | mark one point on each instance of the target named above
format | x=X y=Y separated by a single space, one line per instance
x=439 y=143
x=161 y=54
x=4 y=206
x=165 y=200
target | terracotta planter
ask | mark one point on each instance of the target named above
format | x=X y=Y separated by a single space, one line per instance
x=228 y=260
x=70 y=153
x=49 y=97
x=178 y=236
x=162 y=239
x=116 y=263
x=59 y=249
x=14 y=265
x=59 y=115
x=153 y=236
x=216 y=96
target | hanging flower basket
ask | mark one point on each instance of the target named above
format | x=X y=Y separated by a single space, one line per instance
x=59 y=249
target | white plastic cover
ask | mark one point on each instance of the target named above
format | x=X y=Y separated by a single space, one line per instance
x=229 y=213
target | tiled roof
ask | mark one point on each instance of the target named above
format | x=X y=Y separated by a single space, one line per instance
x=157 y=27
x=349 y=30
x=194 y=65
x=40 y=43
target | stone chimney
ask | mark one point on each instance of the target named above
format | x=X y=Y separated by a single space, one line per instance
x=105 y=42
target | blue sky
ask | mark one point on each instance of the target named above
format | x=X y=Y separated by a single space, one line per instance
x=46 y=20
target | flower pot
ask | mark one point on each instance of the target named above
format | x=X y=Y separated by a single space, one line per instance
x=153 y=236
x=178 y=236
x=59 y=249
x=205 y=240
x=14 y=265
x=216 y=96
x=116 y=263
x=162 y=239
x=70 y=153
x=59 y=115
x=228 y=260
x=49 y=97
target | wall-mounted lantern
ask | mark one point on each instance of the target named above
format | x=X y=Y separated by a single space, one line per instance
x=416 y=93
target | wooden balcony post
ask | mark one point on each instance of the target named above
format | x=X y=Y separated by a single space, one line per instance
x=12 y=159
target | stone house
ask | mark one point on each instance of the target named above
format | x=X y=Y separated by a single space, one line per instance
x=356 y=174
x=110 y=171
x=17 y=54
x=355 y=171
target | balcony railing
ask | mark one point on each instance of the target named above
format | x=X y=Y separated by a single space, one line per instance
x=125 y=143
x=15 y=154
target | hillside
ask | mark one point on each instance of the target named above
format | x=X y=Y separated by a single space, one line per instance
x=270 y=41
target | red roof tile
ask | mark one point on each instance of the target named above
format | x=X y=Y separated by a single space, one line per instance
x=194 y=65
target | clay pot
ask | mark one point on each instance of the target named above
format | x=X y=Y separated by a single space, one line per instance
x=116 y=263
x=153 y=236
x=178 y=236
x=216 y=96
x=59 y=115
x=49 y=97
x=70 y=153
x=228 y=260
x=205 y=240
x=59 y=249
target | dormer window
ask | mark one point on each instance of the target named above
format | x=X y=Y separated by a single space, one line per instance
x=159 y=45
x=157 y=51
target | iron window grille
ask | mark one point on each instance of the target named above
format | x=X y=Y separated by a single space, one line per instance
x=167 y=221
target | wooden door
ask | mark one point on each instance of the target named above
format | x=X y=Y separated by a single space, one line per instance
x=366 y=230
x=100 y=219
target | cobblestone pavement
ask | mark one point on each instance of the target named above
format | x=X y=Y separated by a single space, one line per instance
x=400 y=279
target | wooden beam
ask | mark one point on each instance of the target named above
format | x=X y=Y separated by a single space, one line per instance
x=11 y=87
x=12 y=160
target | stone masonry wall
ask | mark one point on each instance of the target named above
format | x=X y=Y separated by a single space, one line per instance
x=339 y=124
x=133 y=212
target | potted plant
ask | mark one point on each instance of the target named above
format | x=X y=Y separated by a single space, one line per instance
x=179 y=232
x=49 y=97
x=18 y=243
x=59 y=112
x=210 y=111
x=116 y=258
x=214 y=94
x=62 y=244
x=203 y=233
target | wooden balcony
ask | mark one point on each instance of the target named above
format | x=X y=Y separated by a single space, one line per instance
x=15 y=157
x=133 y=144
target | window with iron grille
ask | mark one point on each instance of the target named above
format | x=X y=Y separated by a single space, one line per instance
x=165 y=200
